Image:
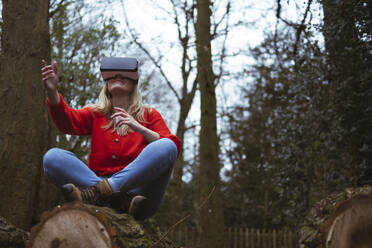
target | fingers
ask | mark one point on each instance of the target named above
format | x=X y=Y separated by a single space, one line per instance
x=55 y=68
x=122 y=122
x=46 y=67
x=120 y=118
x=125 y=121
x=47 y=73
x=120 y=114
x=47 y=77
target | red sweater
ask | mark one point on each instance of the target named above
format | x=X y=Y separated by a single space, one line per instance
x=109 y=152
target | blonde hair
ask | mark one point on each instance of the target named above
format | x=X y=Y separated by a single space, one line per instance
x=135 y=109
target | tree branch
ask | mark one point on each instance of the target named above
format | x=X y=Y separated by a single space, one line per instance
x=301 y=27
x=56 y=9
x=156 y=63
x=160 y=7
x=223 y=50
x=225 y=15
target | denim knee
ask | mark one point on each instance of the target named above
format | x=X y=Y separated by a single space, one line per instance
x=168 y=150
x=52 y=159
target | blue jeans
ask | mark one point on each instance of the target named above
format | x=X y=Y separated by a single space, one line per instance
x=147 y=175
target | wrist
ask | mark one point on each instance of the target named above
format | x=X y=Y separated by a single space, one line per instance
x=53 y=97
x=140 y=129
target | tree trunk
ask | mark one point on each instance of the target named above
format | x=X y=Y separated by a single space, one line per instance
x=25 y=131
x=341 y=220
x=211 y=215
x=82 y=225
x=177 y=183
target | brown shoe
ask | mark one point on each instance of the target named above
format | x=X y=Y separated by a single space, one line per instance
x=97 y=194
x=139 y=207
x=135 y=205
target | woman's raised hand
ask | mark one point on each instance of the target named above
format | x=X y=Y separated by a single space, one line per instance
x=49 y=75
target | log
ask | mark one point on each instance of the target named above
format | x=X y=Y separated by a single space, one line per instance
x=83 y=225
x=349 y=225
x=342 y=220
x=11 y=236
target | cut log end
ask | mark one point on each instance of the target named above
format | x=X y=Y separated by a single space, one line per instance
x=72 y=225
x=349 y=225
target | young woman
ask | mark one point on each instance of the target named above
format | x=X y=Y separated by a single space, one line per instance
x=132 y=150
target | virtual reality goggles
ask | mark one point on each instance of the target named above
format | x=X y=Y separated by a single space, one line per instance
x=125 y=67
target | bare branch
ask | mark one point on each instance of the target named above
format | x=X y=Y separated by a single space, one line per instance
x=155 y=3
x=176 y=20
x=191 y=127
x=223 y=50
x=193 y=8
x=154 y=61
x=278 y=15
x=52 y=3
x=56 y=9
x=225 y=15
x=301 y=27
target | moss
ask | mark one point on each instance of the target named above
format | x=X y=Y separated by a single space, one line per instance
x=134 y=234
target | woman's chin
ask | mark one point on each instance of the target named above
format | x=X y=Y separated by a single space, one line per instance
x=119 y=91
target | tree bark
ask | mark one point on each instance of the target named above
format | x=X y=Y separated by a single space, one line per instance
x=25 y=131
x=211 y=215
x=176 y=186
x=82 y=225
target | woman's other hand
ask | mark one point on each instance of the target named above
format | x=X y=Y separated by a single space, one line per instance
x=49 y=75
x=122 y=117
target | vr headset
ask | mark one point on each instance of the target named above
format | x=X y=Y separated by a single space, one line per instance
x=125 y=67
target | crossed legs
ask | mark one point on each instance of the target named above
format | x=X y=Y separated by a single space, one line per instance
x=147 y=175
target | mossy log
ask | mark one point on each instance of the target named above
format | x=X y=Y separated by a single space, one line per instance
x=83 y=225
x=342 y=220
x=11 y=236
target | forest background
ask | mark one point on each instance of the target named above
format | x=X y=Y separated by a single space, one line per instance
x=292 y=106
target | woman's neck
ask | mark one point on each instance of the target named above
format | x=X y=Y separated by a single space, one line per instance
x=121 y=102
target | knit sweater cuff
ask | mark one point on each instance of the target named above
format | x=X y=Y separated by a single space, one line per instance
x=59 y=105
